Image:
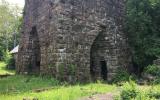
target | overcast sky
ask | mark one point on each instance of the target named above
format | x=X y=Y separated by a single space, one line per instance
x=18 y=2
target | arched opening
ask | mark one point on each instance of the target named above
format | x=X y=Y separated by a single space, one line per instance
x=34 y=47
x=98 y=61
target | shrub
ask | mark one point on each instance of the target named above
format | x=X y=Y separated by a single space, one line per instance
x=129 y=91
x=143 y=96
x=122 y=76
x=157 y=80
x=154 y=95
x=6 y=56
x=9 y=60
x=152 y=69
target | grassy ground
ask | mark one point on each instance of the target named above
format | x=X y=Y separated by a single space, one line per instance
x=3 y=70
x=18 y=87
x=21 y=84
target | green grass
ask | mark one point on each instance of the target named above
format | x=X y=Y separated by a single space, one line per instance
x=20 y=84
x=63 y=93
x=19 y=87
x=4 y=71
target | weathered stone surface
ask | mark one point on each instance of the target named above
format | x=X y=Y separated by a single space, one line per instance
x=73 y=39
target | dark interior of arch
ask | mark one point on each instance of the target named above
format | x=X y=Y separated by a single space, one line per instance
x=98 y=63
x=35 y=58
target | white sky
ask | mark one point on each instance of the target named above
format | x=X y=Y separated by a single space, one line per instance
x=17 y=2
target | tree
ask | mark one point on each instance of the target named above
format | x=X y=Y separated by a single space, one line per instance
x=10 y=23
x=143 y=28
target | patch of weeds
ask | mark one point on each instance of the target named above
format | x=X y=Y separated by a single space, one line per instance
x=129 y=91
x=61 y=69
x=72 y=69
x=152 y=69
x=153 y=93
x=122 y=76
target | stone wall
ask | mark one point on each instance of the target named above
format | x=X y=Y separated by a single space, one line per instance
x=70 y=39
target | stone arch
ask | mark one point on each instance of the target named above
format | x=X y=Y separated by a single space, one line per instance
x=98 y=61
x=104 y=52
x=35 y=55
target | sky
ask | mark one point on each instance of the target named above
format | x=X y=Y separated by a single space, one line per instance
x=18 y=2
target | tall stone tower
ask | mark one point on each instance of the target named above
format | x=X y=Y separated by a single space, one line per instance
x=73 y=39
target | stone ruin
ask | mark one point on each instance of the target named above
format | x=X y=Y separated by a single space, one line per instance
x=73 y=40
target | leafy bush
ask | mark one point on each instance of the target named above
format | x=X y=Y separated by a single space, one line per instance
x=9 y=60
x=144 y=96
x=6 y=56
x=157 y=80
x=129 y=91
x=152 y=69
x=154 y=94
x=122 y=76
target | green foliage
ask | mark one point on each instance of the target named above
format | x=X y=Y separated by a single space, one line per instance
x=19 y=87
x=142 y=26
x=50 y=65
x=143 y=96
x=72 y=69
x=154 y=94
x=9 y=60
x=10 y=22
x=157 y=80
x=61 y=70
x=152 y=69
x=121 y=76
x=129 y=91
x=25 y=83
x=7 y=56
x=4 y=71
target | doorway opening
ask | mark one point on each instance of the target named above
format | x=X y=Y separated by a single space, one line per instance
x=104 y=70
x=35 y=56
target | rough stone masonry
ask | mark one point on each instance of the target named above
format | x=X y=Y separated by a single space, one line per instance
x=73 y=40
